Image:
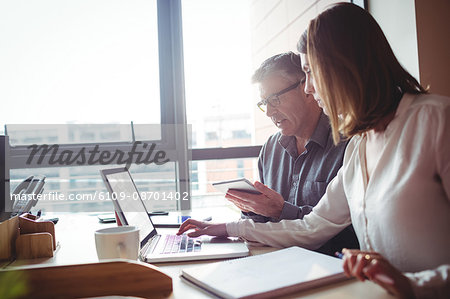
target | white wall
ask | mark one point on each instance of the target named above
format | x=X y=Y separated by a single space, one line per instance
x=397 y=19
x=419 y=33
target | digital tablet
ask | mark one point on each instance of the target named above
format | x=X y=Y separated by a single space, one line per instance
x=241 y=184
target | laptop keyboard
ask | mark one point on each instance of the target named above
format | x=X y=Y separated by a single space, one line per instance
x=180 y=244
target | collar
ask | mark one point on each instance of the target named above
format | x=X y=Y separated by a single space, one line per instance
x=319 y=136
x=322 y=131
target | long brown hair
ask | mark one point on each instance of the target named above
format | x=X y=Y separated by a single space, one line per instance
x=355 y=70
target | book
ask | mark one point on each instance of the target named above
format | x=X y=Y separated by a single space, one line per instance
x=267 y=275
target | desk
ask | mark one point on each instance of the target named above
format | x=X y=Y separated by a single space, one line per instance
x=76 y=244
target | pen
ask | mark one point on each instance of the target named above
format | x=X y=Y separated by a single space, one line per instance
x=339 y=255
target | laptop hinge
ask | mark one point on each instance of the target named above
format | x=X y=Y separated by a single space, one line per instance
x=149 y=247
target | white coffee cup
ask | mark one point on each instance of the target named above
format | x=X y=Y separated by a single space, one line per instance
x=117 y=242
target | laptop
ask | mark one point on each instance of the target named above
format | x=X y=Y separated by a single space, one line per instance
x=156 y=248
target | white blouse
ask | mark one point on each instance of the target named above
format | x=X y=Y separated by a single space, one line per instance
x=403 y=212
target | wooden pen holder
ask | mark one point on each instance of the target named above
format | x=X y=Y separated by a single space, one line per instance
x=9 y=230
x=36 y=238
x=105 y=278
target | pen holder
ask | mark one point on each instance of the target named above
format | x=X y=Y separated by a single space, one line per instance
x=36 y=238
x=106 y=278
x=9 y=230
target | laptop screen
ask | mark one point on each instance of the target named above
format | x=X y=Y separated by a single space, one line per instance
x=129 y=200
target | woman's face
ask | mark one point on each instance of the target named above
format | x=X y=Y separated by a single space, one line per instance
x=310 y=88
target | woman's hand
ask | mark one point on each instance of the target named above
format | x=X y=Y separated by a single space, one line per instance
x=203 y=228
x=371 y=265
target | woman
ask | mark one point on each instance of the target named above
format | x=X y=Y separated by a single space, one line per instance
x=394 y=185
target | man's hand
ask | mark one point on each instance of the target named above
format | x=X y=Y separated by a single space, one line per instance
x=269 y=203
x=203 y=228
x=373 y=266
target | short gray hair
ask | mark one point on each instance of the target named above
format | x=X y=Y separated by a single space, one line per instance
x=285 y=63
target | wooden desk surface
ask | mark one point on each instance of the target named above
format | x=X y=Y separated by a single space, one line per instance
x=76 y=244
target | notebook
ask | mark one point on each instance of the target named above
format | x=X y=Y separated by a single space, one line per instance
x=267 y=275
x=156 y=247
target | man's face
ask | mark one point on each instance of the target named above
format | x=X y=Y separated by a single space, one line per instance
x=291 y=112
x=309 y=84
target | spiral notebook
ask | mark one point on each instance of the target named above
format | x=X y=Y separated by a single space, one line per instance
x=267 y=275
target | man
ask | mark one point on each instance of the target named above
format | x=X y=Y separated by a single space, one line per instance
x=298 y=162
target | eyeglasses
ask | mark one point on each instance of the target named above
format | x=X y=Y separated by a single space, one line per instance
x=273 y=99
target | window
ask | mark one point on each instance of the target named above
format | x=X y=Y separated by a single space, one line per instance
x=81 y=189
x=83 y=61
x=219 y=95
x=91 y=68
x=26 y=134
x=206 y=172
x=218 y=67
x=240 y=168
x=240 y=134
x=211 y=136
